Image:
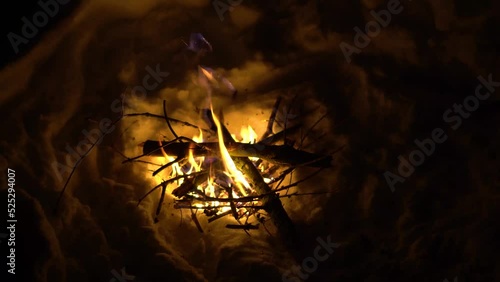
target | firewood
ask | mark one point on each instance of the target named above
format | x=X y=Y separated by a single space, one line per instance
x=277 y=154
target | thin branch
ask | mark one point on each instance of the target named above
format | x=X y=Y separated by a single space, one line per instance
x=162 y=197
x=196 y=222
x=311 y=128
x=290 y=181
x=277 y=154
x=166 y=182
x=279 y=136
x=167 y=165
x=135 y=161
x=146 y=114
x=307 y=194
x=282 y=175
x=287 y=115
x=313 y=141
x=80 y=161
x=270 y=123
x=300 y=181
x=168 y=121
x=231 y=203
x=215 y=217
x=158 y=148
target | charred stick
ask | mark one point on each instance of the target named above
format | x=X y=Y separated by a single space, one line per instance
x=278 y=154
x=167 y=165
x=162 y=197
x=231 y=203
x=196 y=222
x=159 y=149
x=189 y=185
x=167 y=182
x=215 y=217
x=186 y=187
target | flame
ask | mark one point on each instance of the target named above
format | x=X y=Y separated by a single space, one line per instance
x=192 y=162
x=175 y=168
x=210 y=186
x=248 y=135
x=211 y=193
x=207 y=74
x=199 y=138
x=213 y=186
x=227 y=160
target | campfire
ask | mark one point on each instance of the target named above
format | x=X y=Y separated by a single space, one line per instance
x=218 y=174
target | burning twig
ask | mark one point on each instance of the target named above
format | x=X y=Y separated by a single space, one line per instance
x=167 y=165
x=166 y=183
x=189 y=185
x=231 y=203
x=157 y=151
x=278 y=154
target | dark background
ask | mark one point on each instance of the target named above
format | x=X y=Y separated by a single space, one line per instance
x=442 y=222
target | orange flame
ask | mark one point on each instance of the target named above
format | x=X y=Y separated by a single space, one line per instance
x=228 y=162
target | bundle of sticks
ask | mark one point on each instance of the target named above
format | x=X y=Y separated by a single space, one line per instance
x=264 y=165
